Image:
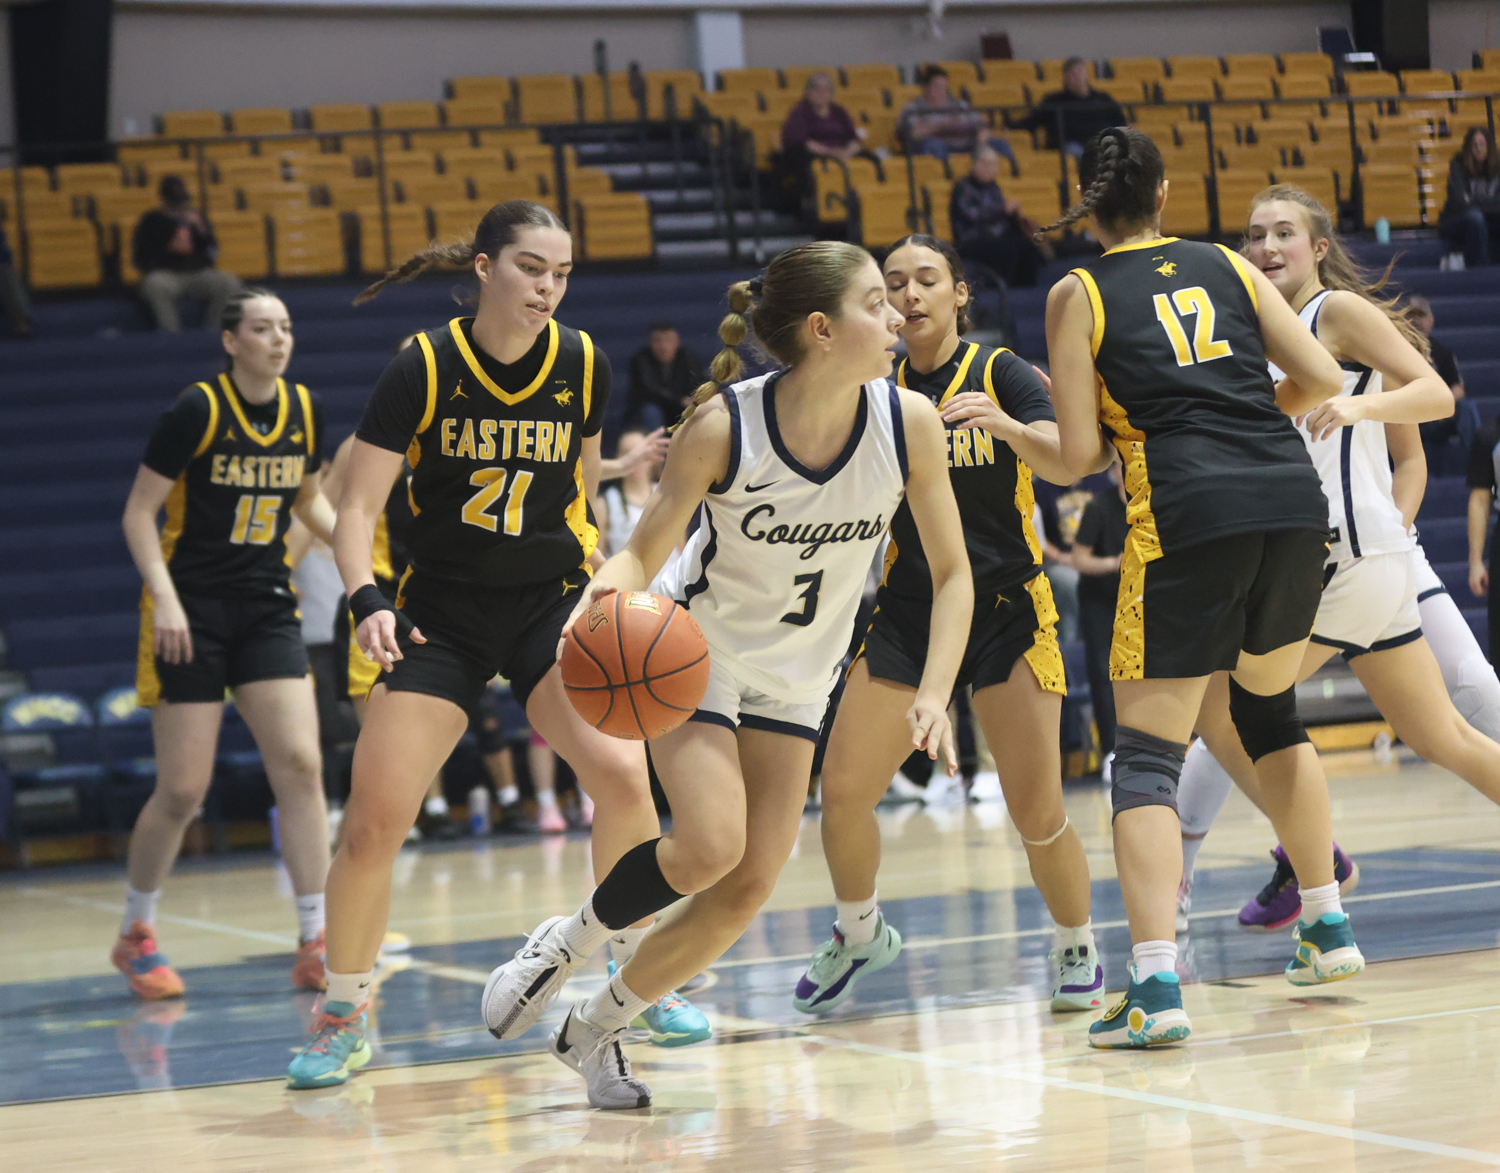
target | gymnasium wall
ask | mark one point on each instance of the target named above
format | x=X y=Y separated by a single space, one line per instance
x=171 y=57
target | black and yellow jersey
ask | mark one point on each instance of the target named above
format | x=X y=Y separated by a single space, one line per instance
x=497 y=491
x=991 y=483
x=1186 y=396
x=389 y=557
x=238 y=468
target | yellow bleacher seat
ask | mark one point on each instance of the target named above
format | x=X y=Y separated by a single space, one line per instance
x=1284 y=132
x=1334 y=153
x=192 y=123
x=1426 y=81
x=302 y=144
x=589 y=181
x=513 y=136
x=879 y=130
x=961 y=74
x=1315 y=63
x=341 y=120
x=534 y=159
x=260 y=120
x=684 y=84
x=1021 y=72
x=1483 y=81
x=884 y=214
x=1248 y=156
x=935 y=200
x=1179 y=162
x=1236 y=190
x=794 y=77
x=408 y=115
x=996 y=93
x=121 y=204
x=1320 y=182
x=465 y=162
x=63 y=255
x=1038 y=195
x=1186 y=211
x=613 y=227
x=922 y=167
x=132 y=151
x=473 y=112
x=1238 y=87
x=272 y=197
x=877 y=74
x=74 y=178
x=1034 y=164
x=348 y=194
x=830 y=184
x=1392 y=193
x=1185 y=89
x=430 y=141
x=1122 y=89
x=1375 y=83
x=496 y=187
x=764 y=136
x=458 y=220
x=1195 y=135
x=1249 y=64
x=409 y=165
x=748 y=81
x=432 y=189
x=859 y=102
x=1303 y=85
x=408 y=230
x=308 y=244
x=1487 y=59
x=252 y=169
x=1391 y=151
x=546 y=98
x=242 y=243
x=622 y=104
x=319 y=168
x=1199 y=66
x=730 y=104
x=481 y=89
x=1143 y=69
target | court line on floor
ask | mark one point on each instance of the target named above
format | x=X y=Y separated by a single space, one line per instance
x=1339 y=1131
x=279 y=939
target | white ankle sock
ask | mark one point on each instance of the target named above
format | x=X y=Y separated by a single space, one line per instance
x=1073 y=938
x=857 y=919
x=622 y=945
x=508 y=795
x=584 y=932
x=1153 y=957
x=1190 y=849
x=547 y=800
x=139 y=906
x=1317 y=901
x=310 y=916
x=614 y=1007
x=353 y=988
x=437 y=806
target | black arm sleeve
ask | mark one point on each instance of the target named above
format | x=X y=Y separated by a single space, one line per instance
x=604 y=379
x=1481 y=457
x=177 y=435
x=395 y=409
x=1019 y=390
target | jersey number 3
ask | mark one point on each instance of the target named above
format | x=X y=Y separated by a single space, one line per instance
x=1194 y=301
x=811 y=584
x=491 y=484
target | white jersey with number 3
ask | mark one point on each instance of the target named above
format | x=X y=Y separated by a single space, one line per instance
x=774 y=572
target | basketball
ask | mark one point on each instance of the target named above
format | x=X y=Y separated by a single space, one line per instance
x=635 y=665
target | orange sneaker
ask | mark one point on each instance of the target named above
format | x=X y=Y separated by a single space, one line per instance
x=307 y=971
x=146 y=970
x=550 y=821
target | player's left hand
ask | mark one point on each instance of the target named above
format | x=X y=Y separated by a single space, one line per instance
x=1332 y=414
x=973 y=409
x=931 y=732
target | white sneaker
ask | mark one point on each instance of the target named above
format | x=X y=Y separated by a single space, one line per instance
x=1080 y=979
x=596 y=1055
x=903 y=789
x=1453 y=263
x=986 y=787
x=1184 y=903
x=524 y=986
x=945 y=791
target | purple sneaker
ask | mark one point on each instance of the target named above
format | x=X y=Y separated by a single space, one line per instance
x=1345 y=871
x=1080 y=979
x=1278 y=903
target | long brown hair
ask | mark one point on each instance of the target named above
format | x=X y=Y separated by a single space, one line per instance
x=805 y=280
x=1491 y=165
x=1120 y=172
x=955 y=266
x=1338 y=270
x=499 y=227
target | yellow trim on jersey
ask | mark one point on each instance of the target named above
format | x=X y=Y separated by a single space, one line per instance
x=213 y=421
x=1026 y=507
x=588 y=373
x=989 y=372
x=305 y=399
x=364 y=673
x=578 y=517
x=1242 y=267
x=1096 y=304
x=401 y=588
x=1154 y=242
x=1127 y=651
x=176 y=507
x=1045 y=653
x=430 y=359
x=891 y=553
x=954 y=384
x=489 y=384
x=282 y=411
x=380 y=553
x=147 y=683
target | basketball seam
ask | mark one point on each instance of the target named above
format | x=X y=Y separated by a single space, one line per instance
x=625 y=666
x=650 y=680
x=598 y=663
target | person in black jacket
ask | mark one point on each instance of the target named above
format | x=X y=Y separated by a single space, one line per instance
x=663 y=376
x=988 y=227
x=1084 y=110
x=1470 y=220
x=173 y=248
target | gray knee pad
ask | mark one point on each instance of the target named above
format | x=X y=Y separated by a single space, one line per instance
x=1146 y=770
x=1265 y=723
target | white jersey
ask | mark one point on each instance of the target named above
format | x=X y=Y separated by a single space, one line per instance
x=774 y=572
x=1355 y=466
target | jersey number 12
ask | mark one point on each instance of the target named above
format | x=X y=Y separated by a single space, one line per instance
x=491 y=484
x=1194 y=301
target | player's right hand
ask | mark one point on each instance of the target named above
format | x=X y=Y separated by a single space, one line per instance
x=377 y=639
x=590 y=593
x=172 y=638
x=1479 y=579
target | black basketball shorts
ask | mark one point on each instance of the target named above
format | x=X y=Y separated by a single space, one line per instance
x=235 y=641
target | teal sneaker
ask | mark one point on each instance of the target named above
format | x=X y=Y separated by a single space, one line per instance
x=1149 y=1015
x=1326 y=952
x=338 y=1048
x=835 y=967
x=672 y=1020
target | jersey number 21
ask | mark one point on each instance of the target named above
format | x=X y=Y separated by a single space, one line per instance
x=1205 y=347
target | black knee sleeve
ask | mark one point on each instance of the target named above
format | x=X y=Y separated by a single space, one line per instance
x=634 y=888
x=1146 y=770
x=1265 y=723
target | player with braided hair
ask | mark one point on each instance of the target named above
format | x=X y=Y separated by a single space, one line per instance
x=1159 y=348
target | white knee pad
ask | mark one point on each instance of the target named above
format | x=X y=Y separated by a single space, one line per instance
x=1204 y=789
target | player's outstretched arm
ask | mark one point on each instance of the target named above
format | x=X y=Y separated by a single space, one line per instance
x=929 y=492
x=1075 y=395
x=367 y=484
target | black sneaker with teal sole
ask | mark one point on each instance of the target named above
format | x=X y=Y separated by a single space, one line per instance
x=1326 y=952
x=1149 y=1015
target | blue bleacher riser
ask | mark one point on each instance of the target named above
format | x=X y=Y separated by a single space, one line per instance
x=62 y=547
x=1471 y=343
x=1446 y=539
x=1479 y=622
x=78 y=639
x=1445 y=497
x=63 y=502
x=1455 y=576
x=1451 y=312
x=89 y=681
x=95 y=589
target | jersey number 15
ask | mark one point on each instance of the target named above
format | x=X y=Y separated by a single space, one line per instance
x=1205 y=347
x=255 y=520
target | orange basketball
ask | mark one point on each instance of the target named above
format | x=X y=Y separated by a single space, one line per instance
x=635 y=665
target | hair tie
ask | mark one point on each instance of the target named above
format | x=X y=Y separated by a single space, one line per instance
x=756 y=285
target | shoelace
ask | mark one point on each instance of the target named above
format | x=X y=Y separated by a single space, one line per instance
x=544 y=950
x=326 y=1028
x=670 y=1001
x=1284 y=873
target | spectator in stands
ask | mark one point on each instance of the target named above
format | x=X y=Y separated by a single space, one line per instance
x=174 y=248
x=989 y=228
x=939 y=124
x=1464 y=421
x=624 y=499
x=817 y=125
x=1470 y=220
x=1083 y=110
x=663 y=376
x=1096 y=556
x=12 y=293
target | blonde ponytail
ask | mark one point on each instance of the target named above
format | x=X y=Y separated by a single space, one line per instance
x=726 y=366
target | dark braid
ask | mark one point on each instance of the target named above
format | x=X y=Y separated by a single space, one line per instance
x=457 y=254
x=1121 y=170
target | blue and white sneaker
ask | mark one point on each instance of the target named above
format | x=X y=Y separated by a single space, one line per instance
x=1149 y=1015
x=1080 y=979
x=835 y=967
x=1326 y=952
x=338 y=1048
x=672 y=1020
